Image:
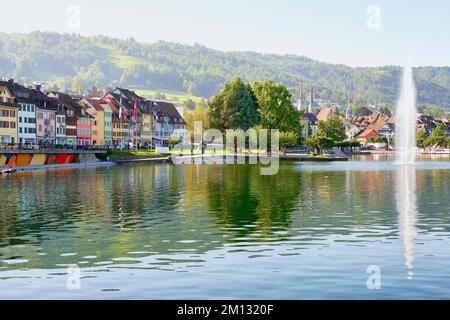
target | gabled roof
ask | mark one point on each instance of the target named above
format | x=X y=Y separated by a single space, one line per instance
x=164 y=108
x=325 y=113
x=364 y=112
x=311 y=117
x=95 y=103
x=64 y=99
x=22 y=94
x=369 y=133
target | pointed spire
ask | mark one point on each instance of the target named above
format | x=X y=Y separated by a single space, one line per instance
x=301 y=97
x=94 y=92
x=349 y=111
x=311 y=100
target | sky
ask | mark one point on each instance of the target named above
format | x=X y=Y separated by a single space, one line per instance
x=351 y=32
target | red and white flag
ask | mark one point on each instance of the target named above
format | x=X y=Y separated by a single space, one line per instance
x=135 y=110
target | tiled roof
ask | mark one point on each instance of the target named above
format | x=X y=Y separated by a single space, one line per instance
x=164 y=108
x=96 y=103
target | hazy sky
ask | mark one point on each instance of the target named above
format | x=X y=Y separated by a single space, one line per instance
x=352 y=32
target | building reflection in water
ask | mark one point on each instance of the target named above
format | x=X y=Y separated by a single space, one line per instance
x=407 y=209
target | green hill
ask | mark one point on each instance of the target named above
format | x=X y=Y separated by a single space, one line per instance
x=199 y=71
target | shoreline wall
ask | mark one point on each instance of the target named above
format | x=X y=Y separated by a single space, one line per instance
x=22 y=158
x=36 y=159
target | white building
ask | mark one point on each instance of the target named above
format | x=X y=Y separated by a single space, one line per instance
x=27 y=123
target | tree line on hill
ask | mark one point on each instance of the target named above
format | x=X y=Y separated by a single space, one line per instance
x=74 y=62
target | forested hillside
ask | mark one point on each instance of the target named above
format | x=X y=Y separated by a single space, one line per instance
x=67 y=60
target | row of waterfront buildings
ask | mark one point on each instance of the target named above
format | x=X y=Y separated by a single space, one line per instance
x=364 y=125
x=30 y=116
x=368 y=123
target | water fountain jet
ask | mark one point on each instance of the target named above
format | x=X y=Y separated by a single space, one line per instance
x=406 y=120
x=405 y=156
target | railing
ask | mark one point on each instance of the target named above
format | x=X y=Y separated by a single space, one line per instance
x=49 y=147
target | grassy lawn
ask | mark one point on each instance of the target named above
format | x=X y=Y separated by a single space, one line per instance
x=170 y=95
x=133 y=153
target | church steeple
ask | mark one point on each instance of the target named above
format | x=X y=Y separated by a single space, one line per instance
x=311 y=100
x=349 y=112
x=301 y=97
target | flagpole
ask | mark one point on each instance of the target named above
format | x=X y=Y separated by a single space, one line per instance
x=135 y=123
x=121 y=132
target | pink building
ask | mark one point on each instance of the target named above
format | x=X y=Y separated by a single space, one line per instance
x=46 y=126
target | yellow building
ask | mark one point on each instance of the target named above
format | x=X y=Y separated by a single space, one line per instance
x=147 y=127
x=8 y=116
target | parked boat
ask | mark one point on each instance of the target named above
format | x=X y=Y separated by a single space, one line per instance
x=8 y=171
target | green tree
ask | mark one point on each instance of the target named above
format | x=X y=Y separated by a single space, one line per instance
x=287 y=139
x=275 y=108
x=438 y=137
x=333 y=128
x=420 y=138
x=192 y=116
x=214 y=113
x=77 y=86
x=233 y=107
x=379 y=140
x=330 y=132
x=319 y=143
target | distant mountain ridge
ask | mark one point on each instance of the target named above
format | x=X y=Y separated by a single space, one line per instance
x=200 y=71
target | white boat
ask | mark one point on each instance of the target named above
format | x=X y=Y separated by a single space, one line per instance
x=8 y=171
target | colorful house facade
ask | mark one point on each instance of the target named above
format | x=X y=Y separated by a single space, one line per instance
x=26 y=99
x=83 y=127
x=61 y=129
x=96 y=111
x=108 y=124
x=46 y=126
x=68 y=107
x=27 y=123
x=8 y=116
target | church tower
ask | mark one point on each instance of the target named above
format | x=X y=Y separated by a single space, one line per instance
x=349 y=112
x=311 y=100
x=301 y=97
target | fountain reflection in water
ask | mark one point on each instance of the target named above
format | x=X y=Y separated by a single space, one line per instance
x=405 y=145
x=407 y=209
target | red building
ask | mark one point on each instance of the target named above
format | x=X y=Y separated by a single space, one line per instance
x=368 y=134
x=84 y=127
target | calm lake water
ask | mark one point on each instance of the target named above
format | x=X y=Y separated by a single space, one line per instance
x=226 y=232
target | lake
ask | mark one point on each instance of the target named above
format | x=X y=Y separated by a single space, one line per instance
x=313 y=231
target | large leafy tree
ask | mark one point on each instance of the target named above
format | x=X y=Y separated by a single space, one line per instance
x=198 y=114
x=333 y=129
x=233 y=107
x=330 y=132
x=438 y=137
x=275 y=107
x=214 y=113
